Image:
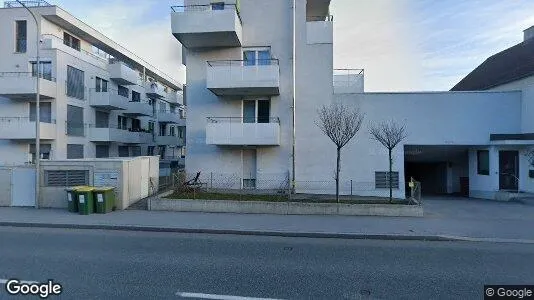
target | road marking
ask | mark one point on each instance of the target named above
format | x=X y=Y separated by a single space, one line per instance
x=4 y=281
x=218 y=297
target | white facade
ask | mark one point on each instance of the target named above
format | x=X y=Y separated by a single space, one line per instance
x=231 y=133
x=97 y=98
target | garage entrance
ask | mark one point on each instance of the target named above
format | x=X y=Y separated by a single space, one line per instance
x=441 y=169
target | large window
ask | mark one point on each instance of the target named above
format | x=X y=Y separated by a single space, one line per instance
x=45 y=72
x=45 y=112
x=136 y=97
x=75 y=83
x=71 y=41
x=124 y=151
x=253 y=57
x=45 y=150
x=101 y=85
x=75 y=125
x=122 y=122
x=102 y=151
x=74 y=151
x=123 y=91
x=21 y=36
x=256 y=111
x=483 y=162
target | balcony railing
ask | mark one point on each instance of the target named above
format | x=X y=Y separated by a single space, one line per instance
x=40 y=3
x=347 y=77
x=206 y=7
x=243 y=120
x=20 y=128
x=243 y=63
x=327 y=18
x=24 y=120
x=27 y=74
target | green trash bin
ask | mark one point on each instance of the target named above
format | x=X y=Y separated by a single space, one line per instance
x=72 y=198
x=86 y=204
x=104 y=198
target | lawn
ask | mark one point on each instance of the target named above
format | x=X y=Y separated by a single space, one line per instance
x=283 y=198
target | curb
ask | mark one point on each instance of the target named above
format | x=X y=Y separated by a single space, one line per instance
x=351 y=236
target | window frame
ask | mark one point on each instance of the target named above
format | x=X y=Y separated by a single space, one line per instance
x=17 y=39
x=480 y=170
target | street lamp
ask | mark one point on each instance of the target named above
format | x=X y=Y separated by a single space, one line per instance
x=37 y=109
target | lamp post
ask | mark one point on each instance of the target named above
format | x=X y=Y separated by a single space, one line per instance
x=37 y=109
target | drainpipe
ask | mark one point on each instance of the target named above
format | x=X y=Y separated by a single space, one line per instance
x=294 y=94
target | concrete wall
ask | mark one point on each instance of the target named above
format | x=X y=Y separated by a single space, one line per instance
x=526 y=87
x=5 y=187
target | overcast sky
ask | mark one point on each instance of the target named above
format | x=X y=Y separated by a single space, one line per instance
x=403 y=45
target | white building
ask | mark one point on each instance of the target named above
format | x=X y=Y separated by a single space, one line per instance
x=97 y=99
x=257 y=72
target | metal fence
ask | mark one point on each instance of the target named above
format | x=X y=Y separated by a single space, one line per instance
x=275 y=187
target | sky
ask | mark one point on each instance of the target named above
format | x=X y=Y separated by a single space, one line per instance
x=403 y=45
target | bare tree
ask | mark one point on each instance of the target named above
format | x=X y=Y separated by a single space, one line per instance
x=389 y=134
x=340 y=123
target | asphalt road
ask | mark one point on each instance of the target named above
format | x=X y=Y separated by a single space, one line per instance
x=98 y=264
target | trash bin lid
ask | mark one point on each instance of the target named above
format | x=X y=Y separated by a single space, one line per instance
x=75 y=188
x=103 y=188
x=85 y=189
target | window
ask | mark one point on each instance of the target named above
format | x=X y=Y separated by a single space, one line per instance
x=259 y=57
x=21 y=36
x=181 y=132
x=122 y=123
x=150 y=151
x=136 y=125
x=172 y=131
x=45 y=150
x=45 y=72
x=136 y=97
x=151 y=127
x=256 y=111
x=135 y=150
x=66 y=177
x=45 y=112
x=161 y=150
x=75 y=121
x=102 y=151
x=101 y=119
x=217 y=6
x=75 y=83
x=71 y=41
x=123 y=91
x=483 y=162
x=162 y=129
x=382 y=180
x=101 y=85
x=124 y=151
x=74 y=151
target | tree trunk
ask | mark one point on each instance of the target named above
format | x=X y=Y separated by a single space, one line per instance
x=390 y=177
x=337 y=173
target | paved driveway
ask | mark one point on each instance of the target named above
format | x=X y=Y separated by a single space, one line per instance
x=468 y=208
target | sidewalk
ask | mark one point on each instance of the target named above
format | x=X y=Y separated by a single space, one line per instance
x=432 y=227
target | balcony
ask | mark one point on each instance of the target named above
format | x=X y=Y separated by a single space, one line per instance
x=154 y=90
x=229 y=131
x=52 y=42
x=108 y=100
x=122 y=74
x=138 y=109
x=21 y=86
x=167 y=116
x=22 y=128
x=116 y=135
x=169 y=140
x=244 y=78
x=175 y=97
x=348 y=81
x=319 y=30
x=205 y=26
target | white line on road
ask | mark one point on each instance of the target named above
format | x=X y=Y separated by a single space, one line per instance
x=4 y=281
x=218 y=297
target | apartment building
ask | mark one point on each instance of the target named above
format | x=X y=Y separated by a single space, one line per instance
x=257 y=73
x=97 y=98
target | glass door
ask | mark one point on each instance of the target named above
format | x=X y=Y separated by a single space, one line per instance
x=249 y=111
x=264 y=111
x=509 y=170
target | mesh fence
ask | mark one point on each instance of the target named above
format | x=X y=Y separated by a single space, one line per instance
x=275 y=187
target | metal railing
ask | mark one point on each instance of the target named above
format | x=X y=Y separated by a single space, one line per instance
x=27 y=120
x=38 y=3
x=207 y=7
x=327 y=18
x=243 y=120
x=243 y=63
x=85 y=52
x=27 y=74
x=347 y=77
